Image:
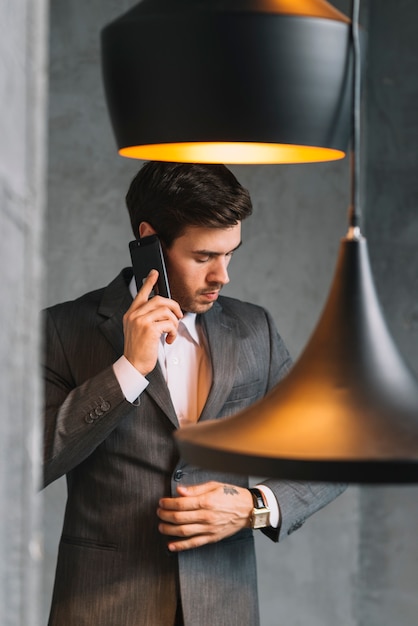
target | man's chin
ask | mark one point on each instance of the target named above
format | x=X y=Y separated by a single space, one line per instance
x=198 y=308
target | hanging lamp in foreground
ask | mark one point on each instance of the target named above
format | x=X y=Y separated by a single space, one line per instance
x=229 y=81
x=348 y=409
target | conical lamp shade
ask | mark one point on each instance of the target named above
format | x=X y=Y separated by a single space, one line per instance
x=347 y=411
x=231 y=81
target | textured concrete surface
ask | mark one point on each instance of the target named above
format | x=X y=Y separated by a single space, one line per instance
x=23 y=37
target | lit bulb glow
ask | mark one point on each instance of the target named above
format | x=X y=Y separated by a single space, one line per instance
x=232 y=153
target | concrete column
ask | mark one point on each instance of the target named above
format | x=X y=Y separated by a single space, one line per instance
x=23 y=38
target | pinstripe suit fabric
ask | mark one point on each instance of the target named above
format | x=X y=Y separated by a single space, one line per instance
x=113 y=565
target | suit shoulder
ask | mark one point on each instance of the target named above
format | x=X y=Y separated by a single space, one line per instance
x=103 y=298
x=90 y=301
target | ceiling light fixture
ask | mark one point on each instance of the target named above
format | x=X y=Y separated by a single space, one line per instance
x=229 y=81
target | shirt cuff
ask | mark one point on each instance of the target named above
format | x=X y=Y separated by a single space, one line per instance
x=272 y=505
x=130 y=380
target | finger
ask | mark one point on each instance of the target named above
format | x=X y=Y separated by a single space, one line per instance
x=189 y=544
x=189 y=514
x=189 y=531
x=182 y=530
x=170 y=337
x=154 y=314
x=142 y=301
x=179 y=504
x=191 y=498
x=197 y=490
x=158 y=304
x=150 y=313
x=147 y=286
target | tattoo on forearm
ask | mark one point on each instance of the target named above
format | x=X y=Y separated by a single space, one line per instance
x=230 y=490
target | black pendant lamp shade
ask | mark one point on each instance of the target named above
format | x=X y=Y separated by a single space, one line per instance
x=232 y=81
x=347 y=411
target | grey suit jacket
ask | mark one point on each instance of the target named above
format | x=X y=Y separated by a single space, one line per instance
x=113 y=565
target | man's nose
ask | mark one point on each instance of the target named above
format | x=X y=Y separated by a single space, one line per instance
x=219 y=273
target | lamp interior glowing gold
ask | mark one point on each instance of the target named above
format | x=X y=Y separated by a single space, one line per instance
x=233 y=152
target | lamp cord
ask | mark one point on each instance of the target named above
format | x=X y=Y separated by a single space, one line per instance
x=354 y=210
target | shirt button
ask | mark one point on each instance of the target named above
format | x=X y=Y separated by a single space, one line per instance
x=178 y=475
x=175 y=361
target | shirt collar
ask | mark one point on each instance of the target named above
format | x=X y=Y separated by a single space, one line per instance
x=132 y=287
x=189 y=319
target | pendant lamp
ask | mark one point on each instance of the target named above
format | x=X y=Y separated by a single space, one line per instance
x=229 y=81
x=348 y=409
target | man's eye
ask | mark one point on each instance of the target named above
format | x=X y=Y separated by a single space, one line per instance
x=203 y=259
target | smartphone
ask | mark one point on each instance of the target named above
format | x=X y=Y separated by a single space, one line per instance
x=146 y=255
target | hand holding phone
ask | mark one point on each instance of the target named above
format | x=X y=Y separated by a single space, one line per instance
x=147 y=319
x=146 y=255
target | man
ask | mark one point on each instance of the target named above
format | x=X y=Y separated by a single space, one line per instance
x=149 y=540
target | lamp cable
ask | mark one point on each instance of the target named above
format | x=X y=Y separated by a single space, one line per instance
x=354 y=209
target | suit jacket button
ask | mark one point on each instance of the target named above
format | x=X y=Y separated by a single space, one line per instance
x=178 y=475
x=105 y=406
x=90 y=417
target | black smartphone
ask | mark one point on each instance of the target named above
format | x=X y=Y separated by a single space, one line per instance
x=147 y=255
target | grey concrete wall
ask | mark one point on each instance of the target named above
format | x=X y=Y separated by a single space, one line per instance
x=23 y=39
x=388 y=553
x=354 y=563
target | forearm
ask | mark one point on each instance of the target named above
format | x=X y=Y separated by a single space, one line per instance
x=76 y=422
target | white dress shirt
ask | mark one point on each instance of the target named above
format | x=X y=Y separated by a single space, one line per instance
x=187 y=371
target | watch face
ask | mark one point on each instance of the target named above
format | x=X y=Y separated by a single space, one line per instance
x=261 y=518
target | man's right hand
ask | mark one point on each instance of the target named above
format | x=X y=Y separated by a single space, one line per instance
x=144 y=323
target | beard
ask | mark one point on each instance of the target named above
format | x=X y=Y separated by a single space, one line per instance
x=194 y=301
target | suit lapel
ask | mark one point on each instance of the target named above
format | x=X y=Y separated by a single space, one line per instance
x=222 y=335
x=158 y=391
x=115 y=302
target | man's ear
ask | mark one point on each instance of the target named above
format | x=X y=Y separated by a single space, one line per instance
x=145 y=229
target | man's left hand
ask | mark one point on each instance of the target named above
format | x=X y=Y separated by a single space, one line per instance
x=203 y=514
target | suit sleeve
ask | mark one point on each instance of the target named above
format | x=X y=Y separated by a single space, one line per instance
x=78 y=417
x=297 y=500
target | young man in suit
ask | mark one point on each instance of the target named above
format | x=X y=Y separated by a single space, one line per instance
x=149 y=540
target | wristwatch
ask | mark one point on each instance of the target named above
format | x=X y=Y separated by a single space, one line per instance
x=260 y=515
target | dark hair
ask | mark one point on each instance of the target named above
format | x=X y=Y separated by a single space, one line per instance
x=172 y=196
